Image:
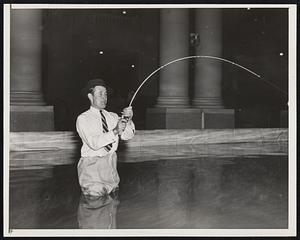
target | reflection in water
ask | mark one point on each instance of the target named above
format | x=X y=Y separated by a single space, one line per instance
x=97 y=212
x=187 y=188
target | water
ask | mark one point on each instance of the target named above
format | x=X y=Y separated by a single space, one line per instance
x=196 y=193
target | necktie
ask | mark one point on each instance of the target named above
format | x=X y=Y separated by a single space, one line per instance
x=105 y=130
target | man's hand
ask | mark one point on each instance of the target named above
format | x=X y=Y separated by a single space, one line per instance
x=127 y=113
x=120 y=127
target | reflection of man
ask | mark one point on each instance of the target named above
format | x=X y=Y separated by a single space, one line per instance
x=97 y=212
x=100 y=131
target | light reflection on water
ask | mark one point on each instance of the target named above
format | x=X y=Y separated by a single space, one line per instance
x=208 y=192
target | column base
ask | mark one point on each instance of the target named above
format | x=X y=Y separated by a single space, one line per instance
x=27 y=98
x=31 y=118
x=217 y=118
x=208 y=102
x=173 y=118
x=172 y=102
x=189 y=118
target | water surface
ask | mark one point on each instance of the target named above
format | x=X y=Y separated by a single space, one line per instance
x=197 y=192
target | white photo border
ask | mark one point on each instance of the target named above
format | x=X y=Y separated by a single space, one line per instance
x=290 y=231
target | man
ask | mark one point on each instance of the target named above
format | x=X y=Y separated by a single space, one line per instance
x=100 y=131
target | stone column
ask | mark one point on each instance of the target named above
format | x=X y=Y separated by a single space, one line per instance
x=174 y=43
x=26 y=54
x=208 y=72
x=173 y=110
x=28 y=110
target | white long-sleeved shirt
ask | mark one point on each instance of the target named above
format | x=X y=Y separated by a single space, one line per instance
x=89 y=128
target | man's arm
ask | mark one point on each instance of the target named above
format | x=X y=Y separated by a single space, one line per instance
x=94 y=140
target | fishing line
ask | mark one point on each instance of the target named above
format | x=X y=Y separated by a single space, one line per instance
x=199 y=56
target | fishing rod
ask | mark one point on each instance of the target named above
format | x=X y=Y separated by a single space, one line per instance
x=184 y=58
x=199 y=56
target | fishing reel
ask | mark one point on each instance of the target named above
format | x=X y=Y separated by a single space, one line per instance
x=125 y=118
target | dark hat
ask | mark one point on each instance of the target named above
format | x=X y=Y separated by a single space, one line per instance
x=93 y=83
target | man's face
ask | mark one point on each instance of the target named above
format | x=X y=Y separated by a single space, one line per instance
x=98 y=97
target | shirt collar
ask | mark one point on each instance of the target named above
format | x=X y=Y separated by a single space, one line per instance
x=95 y=110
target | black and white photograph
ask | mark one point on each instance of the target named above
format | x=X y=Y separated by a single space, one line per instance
x=149 y=119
